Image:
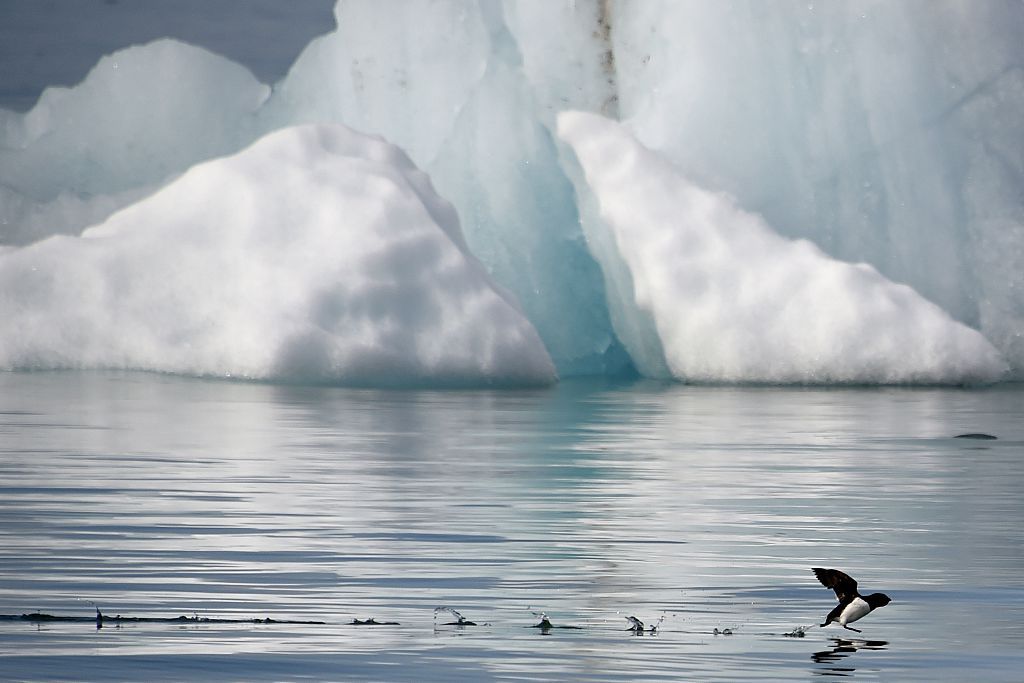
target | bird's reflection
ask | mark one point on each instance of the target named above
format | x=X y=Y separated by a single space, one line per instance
x=841 y=649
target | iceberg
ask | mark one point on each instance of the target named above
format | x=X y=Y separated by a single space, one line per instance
x=142 y=115
x=315 y=255
x=733 y=301
x=869 y=143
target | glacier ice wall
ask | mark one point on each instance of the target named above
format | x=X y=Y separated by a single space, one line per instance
x=884 y=133
x=758 y=307
x=316 y=254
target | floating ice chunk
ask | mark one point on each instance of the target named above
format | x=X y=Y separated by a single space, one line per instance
x=317 y=254
x=732 y=301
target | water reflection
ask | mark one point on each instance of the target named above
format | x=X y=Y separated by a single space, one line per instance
x=155 y=495
x=841 y=649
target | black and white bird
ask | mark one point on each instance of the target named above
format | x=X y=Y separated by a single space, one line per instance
x=852 y=605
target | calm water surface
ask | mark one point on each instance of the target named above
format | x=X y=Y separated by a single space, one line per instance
x=160 y=496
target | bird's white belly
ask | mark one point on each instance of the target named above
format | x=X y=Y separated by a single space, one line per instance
x=854 y=611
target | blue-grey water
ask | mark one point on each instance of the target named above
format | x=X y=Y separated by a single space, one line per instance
x=159 y=496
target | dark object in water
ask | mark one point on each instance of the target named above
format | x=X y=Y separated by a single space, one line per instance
x=637 y=627
x=723 y=632
x=373 y=622
x=460 y=620
x=100 y=619
x=980 y=436
x=545 y=625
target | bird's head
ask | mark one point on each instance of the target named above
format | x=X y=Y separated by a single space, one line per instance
x=877 y=600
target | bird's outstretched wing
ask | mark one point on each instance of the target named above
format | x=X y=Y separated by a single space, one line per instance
x=842 y=584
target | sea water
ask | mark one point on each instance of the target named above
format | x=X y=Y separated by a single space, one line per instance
x=704 y=507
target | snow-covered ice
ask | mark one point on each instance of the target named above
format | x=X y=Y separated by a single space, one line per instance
x=317 y=254
x=733 y=301
x=881 y=134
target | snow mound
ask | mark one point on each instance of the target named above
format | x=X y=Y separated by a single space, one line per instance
x=733 y=301
x=317 y=254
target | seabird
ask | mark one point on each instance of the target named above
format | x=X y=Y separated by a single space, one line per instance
x=852 y=605
x=635 y=625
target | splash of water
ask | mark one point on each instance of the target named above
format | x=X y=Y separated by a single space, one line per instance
x=460 y=620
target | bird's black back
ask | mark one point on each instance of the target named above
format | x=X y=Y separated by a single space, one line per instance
x=844 y=586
